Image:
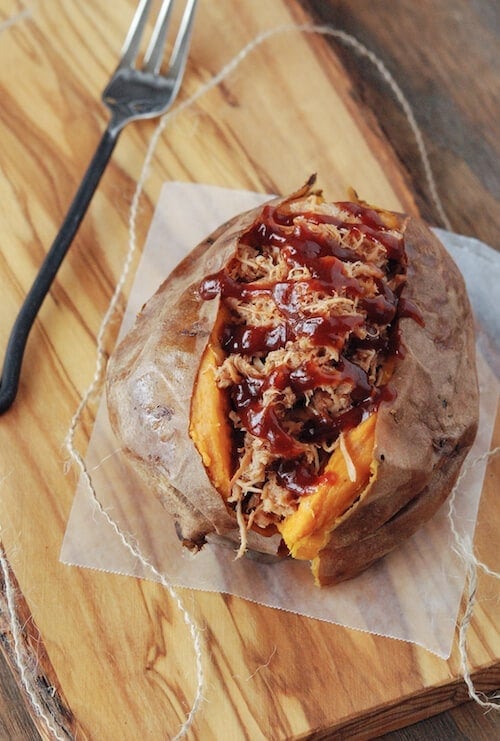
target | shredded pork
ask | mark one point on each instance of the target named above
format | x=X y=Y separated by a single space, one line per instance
x=262 y=492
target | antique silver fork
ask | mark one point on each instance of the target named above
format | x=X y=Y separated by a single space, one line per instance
x=131 y=93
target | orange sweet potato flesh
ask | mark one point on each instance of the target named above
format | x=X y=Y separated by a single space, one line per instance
x=210 y=428
x=308 y=530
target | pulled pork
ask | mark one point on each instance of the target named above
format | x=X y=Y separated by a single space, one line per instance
x=312 y=299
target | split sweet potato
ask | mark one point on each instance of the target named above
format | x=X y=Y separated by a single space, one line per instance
x=256 y=414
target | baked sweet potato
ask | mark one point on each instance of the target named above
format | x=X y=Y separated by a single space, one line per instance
x=304 y=382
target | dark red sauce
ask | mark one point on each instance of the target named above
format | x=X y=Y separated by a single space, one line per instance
x=299 y=478
x=407 y=308
x=375 y=327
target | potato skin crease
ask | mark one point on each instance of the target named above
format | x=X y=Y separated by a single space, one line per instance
x=421 y=436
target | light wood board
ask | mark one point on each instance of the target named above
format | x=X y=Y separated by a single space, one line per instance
x=116 y=649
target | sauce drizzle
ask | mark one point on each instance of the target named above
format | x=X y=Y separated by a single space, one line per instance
x=372 y=325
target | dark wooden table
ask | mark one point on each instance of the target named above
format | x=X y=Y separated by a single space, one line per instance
x=445 y=57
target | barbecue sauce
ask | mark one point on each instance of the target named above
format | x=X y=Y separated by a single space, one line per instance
x=304 y=243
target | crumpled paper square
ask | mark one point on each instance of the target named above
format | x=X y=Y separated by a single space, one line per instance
x=413 y=594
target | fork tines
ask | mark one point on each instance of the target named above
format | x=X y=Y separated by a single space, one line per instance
x=154 y=53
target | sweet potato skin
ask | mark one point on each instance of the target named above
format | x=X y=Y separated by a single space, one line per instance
x=421 y=437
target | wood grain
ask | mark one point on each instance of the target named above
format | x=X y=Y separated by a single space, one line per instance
x=116 y=649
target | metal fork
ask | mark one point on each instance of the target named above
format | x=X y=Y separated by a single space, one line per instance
x=131 y=94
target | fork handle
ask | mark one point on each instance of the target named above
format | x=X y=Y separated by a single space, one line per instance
x=22 y=326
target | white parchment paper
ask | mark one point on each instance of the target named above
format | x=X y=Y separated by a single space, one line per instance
x=413 y=594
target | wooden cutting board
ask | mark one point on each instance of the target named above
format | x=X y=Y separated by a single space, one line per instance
x=113 y=650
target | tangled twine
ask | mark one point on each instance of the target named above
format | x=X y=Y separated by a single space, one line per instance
x=464 y=549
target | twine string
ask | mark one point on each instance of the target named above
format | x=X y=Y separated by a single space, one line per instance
x=126 y=538
x=28 y=679
x=100 y=363
x=465 y=550
x=13 y=20
x=352 y=42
